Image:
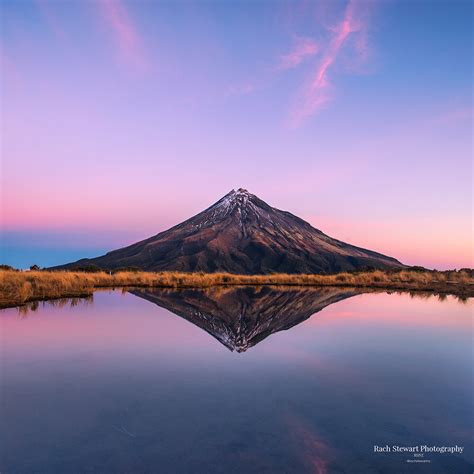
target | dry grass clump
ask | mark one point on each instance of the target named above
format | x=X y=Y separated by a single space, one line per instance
x=17 y=287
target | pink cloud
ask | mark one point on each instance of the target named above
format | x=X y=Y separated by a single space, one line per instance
x=126 y=35
x=304 y=48
x=318 y=91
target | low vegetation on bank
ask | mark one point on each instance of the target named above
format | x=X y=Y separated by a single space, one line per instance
x=19 y=287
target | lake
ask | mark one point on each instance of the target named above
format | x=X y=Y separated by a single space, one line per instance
x=242 y=380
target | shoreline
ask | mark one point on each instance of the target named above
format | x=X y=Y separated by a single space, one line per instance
x=18 y=288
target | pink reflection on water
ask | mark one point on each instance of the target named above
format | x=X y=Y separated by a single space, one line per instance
x=114 y=323
x=124 y=324
x=314 y=449
x=397 y=310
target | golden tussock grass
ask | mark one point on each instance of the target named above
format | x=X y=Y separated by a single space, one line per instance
x=18 y=287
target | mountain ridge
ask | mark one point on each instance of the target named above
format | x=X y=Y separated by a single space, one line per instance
x=241 y=233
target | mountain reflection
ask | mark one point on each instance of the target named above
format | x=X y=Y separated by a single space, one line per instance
x=241 y=317
x=237 y=316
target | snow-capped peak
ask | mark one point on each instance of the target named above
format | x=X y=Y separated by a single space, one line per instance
x=240 y=201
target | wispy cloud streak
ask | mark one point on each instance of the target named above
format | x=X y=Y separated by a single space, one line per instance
x=126 y=35
x=304 y=48
x=318 y=90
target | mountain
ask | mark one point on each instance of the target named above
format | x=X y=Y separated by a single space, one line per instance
x=241 y=317
x=242 y=234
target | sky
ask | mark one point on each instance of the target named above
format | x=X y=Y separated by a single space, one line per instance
x=121 y=118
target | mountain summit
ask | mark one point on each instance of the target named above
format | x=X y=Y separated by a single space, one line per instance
x=242 y=234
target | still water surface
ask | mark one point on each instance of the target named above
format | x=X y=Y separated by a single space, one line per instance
x=238 y=381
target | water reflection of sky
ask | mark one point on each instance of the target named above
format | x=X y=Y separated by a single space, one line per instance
x=122 y=385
